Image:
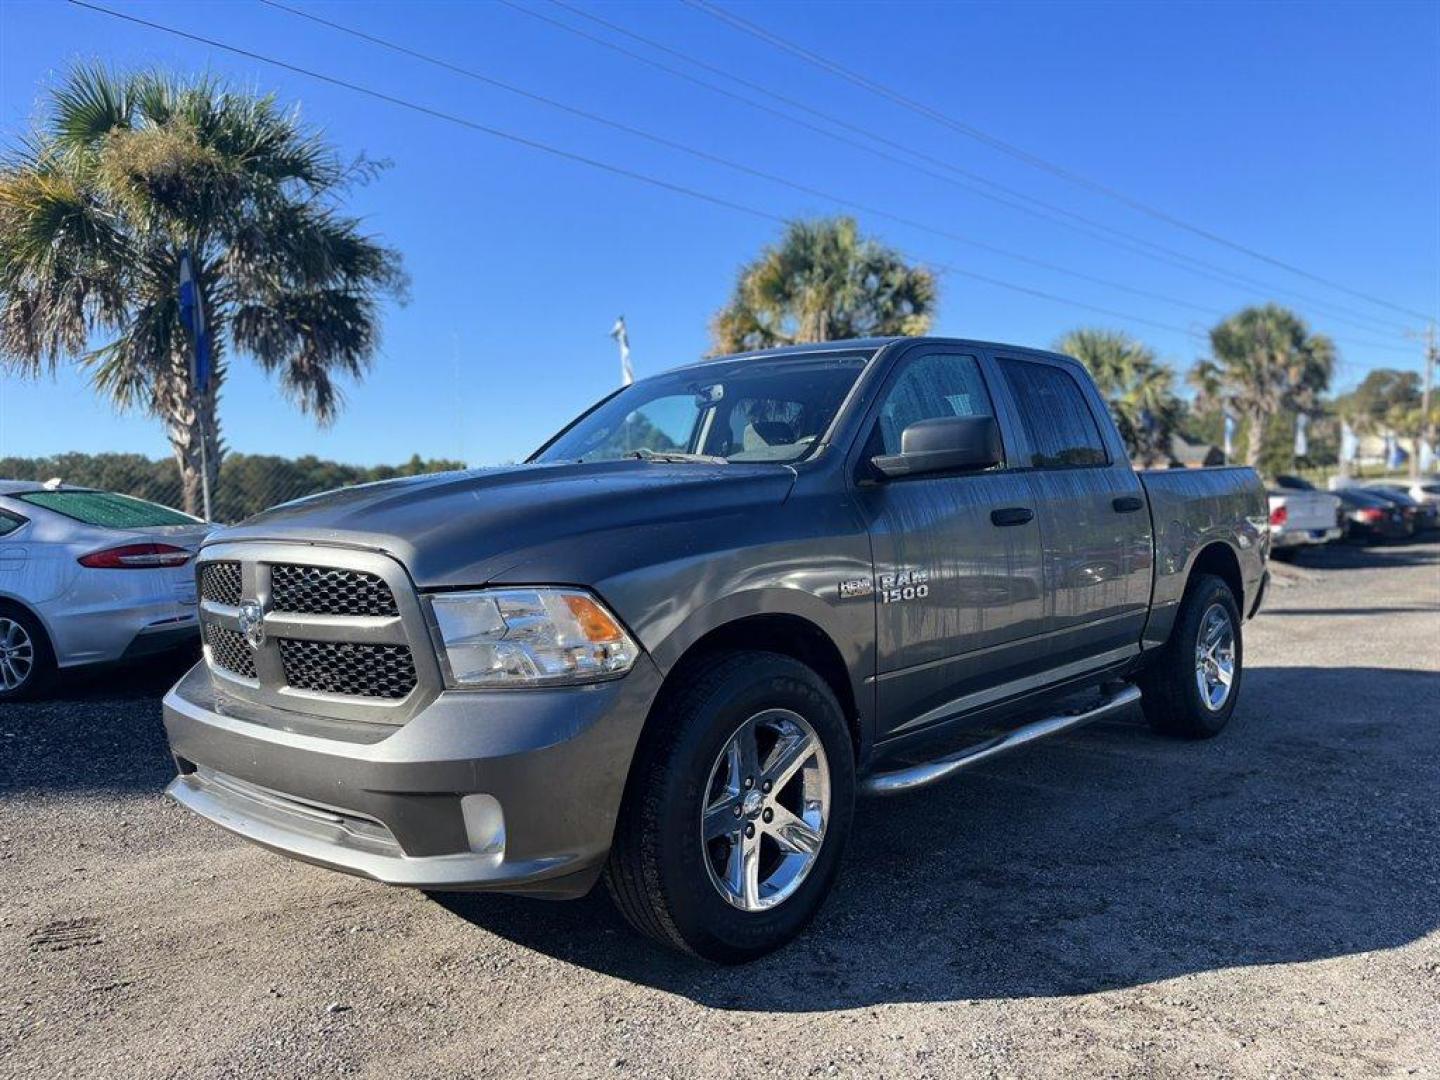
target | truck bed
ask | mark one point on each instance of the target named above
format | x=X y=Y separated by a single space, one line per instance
x=1192 y=508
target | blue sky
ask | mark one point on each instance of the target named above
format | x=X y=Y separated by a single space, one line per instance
x=1310 y=132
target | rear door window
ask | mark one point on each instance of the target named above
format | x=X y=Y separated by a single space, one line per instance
x=1056 y=418
x=106 y=509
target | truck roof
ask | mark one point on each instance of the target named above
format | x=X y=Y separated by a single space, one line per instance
x=871 y=344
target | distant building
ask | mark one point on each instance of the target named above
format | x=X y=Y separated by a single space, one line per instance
x=1194 y=455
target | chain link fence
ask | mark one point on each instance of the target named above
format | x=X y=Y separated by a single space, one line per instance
x=248 y=483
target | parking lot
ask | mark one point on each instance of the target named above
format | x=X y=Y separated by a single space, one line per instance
x=1110 y=902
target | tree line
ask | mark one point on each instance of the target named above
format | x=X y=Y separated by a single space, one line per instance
x=246 y=484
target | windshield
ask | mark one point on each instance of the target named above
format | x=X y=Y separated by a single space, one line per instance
x=106 y=509
x=739 y=410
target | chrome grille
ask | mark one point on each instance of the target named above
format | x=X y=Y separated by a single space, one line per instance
x=325 y=590
x=342 y=633
x=220 y=582
x=228 y=649
x=345 y=667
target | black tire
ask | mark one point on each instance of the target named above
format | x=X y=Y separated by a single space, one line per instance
x=41 y=672
x=1171 y=696
x=657 y=872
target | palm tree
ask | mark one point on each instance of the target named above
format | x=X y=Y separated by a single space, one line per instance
x=1264 y=359
x=822 y=282
x=126 y=171
x=1138 y=387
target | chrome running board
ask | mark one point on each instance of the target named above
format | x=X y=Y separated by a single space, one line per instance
x=911 y=777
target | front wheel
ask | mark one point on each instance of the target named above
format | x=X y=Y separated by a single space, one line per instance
x=737 y=809
x=1190 y=687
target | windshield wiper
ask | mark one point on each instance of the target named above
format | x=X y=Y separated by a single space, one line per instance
x=678 y=456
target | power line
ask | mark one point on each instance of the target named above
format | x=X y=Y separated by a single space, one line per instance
x=737 y=166
x=965 y=179
x=580 y=158
x=1034 y=160
x=521 y=140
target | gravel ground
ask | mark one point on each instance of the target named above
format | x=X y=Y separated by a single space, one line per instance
x=1109 y=902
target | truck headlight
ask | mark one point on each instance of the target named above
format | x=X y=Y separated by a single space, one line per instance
x=529 y=637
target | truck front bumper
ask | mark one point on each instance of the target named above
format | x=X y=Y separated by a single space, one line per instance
x=513 y=791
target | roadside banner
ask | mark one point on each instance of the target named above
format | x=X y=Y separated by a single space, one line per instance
x=1395 y=455
x=622 y=338
x=1427 y=458
x=192 y=317
x=1229 y=436
x=1349 y=444
x=1302 y=443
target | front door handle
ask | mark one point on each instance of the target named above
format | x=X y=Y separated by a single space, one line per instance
x=1128 y=504
x=1012 y=515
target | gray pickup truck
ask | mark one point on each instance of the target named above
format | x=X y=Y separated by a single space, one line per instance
x=675 y=645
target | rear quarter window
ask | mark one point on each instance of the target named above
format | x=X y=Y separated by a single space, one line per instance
x=106 y=509
x=9 y=522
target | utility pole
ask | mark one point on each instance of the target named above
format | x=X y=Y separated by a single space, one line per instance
x=1427 y=422
x=1432 y=355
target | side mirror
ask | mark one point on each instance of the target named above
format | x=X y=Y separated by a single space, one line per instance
x=945 y=444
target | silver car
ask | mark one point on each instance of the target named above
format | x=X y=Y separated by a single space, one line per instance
x=1425 y=490
x=89 y=577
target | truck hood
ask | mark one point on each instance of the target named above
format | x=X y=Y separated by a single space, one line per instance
x=463 y=528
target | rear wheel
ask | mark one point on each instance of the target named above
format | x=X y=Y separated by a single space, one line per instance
x=1191 y=686
x=26 y=662
x=737 y=809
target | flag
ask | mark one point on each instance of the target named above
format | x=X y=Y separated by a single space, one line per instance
x=1302 y=443
x=192 y=318
x=1395 y=455
x=622 y=338
x=1229 y=436
x=1349 y=444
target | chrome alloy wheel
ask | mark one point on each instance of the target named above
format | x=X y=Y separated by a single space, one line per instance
x=17 y=654
x=1215 y=657
x=767 y=803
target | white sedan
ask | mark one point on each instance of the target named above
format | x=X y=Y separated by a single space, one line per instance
x=89 y=577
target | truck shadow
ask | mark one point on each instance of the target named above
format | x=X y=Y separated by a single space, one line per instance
x=1107 y=858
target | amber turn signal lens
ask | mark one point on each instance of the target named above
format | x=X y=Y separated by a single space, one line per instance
x=593 y=619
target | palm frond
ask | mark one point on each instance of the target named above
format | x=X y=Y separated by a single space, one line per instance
x=823 y=281
x=91 y=103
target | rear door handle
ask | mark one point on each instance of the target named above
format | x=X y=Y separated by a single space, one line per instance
x=1128 y=504
x=1012 y=515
